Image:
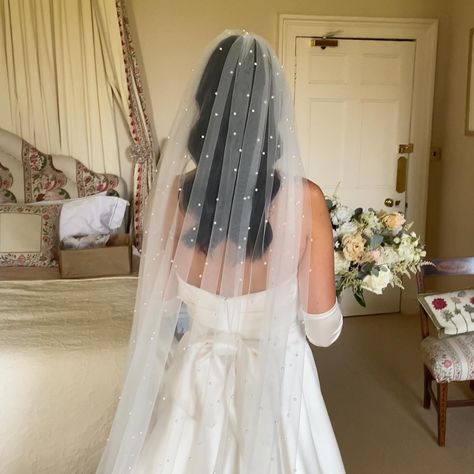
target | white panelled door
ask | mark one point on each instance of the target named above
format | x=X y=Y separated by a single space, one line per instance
x=353 y=107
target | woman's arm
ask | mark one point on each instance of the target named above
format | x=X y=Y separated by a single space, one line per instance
x=323 y=319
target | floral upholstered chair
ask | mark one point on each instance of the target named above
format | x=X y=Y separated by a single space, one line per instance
x=449 y=355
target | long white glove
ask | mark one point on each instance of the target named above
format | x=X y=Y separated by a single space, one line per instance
x=324 y=328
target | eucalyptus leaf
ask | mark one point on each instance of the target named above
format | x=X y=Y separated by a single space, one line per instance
x=360 y=298
x=367 y=267
x=375 y=241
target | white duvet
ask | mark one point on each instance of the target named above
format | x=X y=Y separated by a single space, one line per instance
x=63 y=346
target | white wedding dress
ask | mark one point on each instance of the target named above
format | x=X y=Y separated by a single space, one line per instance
x=306 y=445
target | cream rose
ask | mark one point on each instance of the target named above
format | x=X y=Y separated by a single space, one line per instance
x=353 y=247
x=376 y=284
x=393 y=221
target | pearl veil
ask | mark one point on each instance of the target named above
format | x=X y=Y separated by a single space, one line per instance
x=226 y=215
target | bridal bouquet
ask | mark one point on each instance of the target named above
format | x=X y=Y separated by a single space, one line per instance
x=372 y=249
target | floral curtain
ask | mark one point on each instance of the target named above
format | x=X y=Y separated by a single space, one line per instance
x=142 y=152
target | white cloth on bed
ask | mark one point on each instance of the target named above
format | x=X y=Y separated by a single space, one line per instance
x=92 y=215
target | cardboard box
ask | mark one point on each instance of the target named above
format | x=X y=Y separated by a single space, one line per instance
x=114 y=259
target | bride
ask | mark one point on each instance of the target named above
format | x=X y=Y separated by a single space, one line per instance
x=239 y=237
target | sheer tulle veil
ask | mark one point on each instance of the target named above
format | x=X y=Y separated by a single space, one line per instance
x=226 y=214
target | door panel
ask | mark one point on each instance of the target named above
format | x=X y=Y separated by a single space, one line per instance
x=326 y=136
x=353 y=109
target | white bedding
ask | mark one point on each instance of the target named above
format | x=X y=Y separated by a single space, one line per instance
x=63 y=346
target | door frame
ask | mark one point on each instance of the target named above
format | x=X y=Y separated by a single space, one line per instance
x=425 y=34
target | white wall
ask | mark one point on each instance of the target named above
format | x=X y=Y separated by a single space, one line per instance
x=450 y=223
x=171 y=35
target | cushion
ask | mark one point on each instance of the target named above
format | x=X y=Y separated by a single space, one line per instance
x=29 y=235
x=29 y=175
x=449 y=359
x=451 y=312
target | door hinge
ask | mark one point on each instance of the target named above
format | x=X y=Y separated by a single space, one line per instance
x=405 y=148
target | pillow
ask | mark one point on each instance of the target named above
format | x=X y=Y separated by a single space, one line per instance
x=29 y=235
x=91 y=215
x=451 y=312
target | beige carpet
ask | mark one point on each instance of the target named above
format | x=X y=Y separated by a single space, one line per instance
x=371 y=379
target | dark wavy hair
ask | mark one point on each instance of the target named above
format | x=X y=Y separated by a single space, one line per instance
x=260 y=232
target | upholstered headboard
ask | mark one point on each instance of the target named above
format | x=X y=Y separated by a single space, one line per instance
x=28 y=175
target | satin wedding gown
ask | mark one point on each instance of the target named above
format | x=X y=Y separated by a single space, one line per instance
x=171 y=447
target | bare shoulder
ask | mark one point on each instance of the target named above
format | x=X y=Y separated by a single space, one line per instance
x=314 y=196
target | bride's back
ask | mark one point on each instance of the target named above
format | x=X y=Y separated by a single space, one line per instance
x=254 y=272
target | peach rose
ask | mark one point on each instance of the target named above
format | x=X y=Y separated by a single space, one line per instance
x=393 y=221
x=353 y=247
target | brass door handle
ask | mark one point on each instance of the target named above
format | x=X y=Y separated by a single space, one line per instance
x=402 y=168
x=388 y=202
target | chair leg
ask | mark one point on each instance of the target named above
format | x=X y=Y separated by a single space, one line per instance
x=442 y=406
x=426 y=383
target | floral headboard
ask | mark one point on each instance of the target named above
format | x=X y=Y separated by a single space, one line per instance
x=31 y=176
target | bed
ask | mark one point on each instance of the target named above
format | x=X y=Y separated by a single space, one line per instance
x=63 y=343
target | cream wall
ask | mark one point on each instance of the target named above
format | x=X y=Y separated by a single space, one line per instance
x=450 y=223
x=171 y=35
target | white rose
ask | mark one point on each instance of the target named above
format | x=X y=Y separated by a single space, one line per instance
x=341 y=265
x=376 y=284
x=341 y=214
x=347 y=228
x=389 y=256
x=406 y=251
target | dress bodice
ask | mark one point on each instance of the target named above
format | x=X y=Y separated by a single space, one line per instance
x=238 y=314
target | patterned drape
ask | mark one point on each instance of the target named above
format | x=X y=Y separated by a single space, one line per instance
x=142 y=151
